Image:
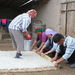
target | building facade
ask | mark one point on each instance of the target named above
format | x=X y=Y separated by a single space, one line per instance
x=59 y=15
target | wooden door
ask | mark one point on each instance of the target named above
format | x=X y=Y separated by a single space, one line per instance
x=67 y=22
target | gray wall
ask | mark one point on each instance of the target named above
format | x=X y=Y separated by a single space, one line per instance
x=49 y=13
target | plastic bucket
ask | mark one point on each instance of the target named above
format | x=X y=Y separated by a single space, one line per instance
x=27 y=45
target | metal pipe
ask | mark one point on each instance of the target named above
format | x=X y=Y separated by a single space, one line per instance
x=26 y=3
x=66 y=20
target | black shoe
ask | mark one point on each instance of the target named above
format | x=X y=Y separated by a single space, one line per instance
x=69 y=62
x=72 y=65
x=18 y=55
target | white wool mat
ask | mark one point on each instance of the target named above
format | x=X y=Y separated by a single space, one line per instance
x=29 y=60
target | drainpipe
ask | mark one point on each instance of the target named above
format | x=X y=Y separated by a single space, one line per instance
x=28 y=2
x=66 y=19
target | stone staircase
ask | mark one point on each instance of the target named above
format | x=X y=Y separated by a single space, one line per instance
x=6 y=44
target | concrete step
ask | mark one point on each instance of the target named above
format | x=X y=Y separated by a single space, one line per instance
x=4 y=36
x=6 y=45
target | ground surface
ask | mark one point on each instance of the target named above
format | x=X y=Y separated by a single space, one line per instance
x=65 y=70
x=28 y=60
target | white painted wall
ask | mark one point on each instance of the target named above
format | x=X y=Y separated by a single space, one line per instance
x=50 y=14
x=70 y=0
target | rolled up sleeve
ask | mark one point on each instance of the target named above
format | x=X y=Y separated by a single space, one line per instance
x=54 y=46
x=58 y=49
x=47 y=42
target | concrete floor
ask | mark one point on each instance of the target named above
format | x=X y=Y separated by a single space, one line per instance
x=65 y=70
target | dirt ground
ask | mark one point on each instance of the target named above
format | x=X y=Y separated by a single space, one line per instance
x=65 y=70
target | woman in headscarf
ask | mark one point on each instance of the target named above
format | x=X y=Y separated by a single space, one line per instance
x=40 y=39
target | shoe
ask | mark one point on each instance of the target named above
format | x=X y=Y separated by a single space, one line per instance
x=72 y=65
x=69 y=62
x=18 y=55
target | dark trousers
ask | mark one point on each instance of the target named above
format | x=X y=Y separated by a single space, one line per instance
x=72 y=58
x=62 y=52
